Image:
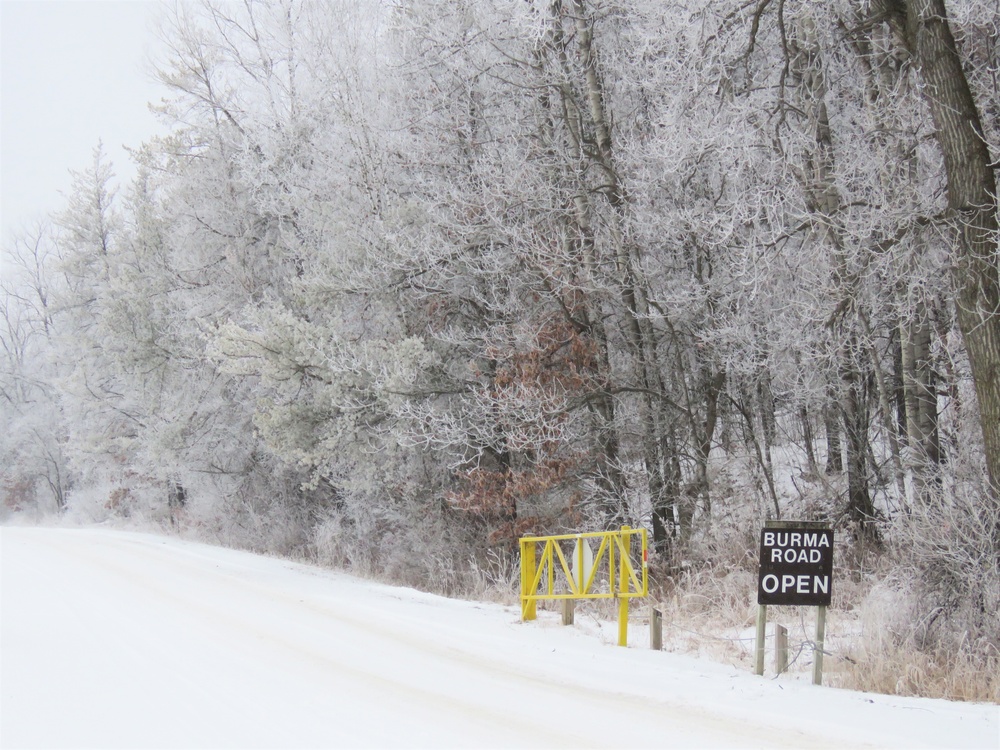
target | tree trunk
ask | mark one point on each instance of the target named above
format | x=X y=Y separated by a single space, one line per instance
x=639 y=331
x=823 y=199
x=580 y=247
x=664 y=524
x=859 y=503
x=972 y=204
x=888 y=423
x=834 y=451
x=712 y=383
x=920 y=398
x=898 y=381
x=807 y=438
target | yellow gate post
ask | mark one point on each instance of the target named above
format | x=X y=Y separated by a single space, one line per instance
x=528 y=606
x=623 y=588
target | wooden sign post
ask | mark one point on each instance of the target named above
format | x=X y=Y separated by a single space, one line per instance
x=796 y=569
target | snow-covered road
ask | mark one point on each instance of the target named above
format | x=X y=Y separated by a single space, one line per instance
x=123 y=640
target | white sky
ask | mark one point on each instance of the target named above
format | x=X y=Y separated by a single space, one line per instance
x=72 y=73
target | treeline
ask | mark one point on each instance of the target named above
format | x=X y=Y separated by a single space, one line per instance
x=408 y=280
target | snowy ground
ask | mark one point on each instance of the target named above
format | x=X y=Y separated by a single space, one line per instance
x=124 y=640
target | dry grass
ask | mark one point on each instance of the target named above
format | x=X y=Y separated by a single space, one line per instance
x=889 y=656
x=900 y=669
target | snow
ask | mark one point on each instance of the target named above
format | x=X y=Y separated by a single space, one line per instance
x=124 y=640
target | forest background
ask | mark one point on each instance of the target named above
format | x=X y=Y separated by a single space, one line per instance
x=406 y=281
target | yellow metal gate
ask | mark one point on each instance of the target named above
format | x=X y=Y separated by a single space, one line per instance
x=618 y=570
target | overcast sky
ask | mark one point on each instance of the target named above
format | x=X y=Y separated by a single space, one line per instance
x=72 y=73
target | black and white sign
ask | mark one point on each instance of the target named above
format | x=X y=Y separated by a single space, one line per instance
x=796 y=566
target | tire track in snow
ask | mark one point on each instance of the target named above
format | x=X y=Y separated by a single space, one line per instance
x=538 y=734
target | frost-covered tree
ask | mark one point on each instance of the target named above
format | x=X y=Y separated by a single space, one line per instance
x=435 y=274
x=35 y=473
